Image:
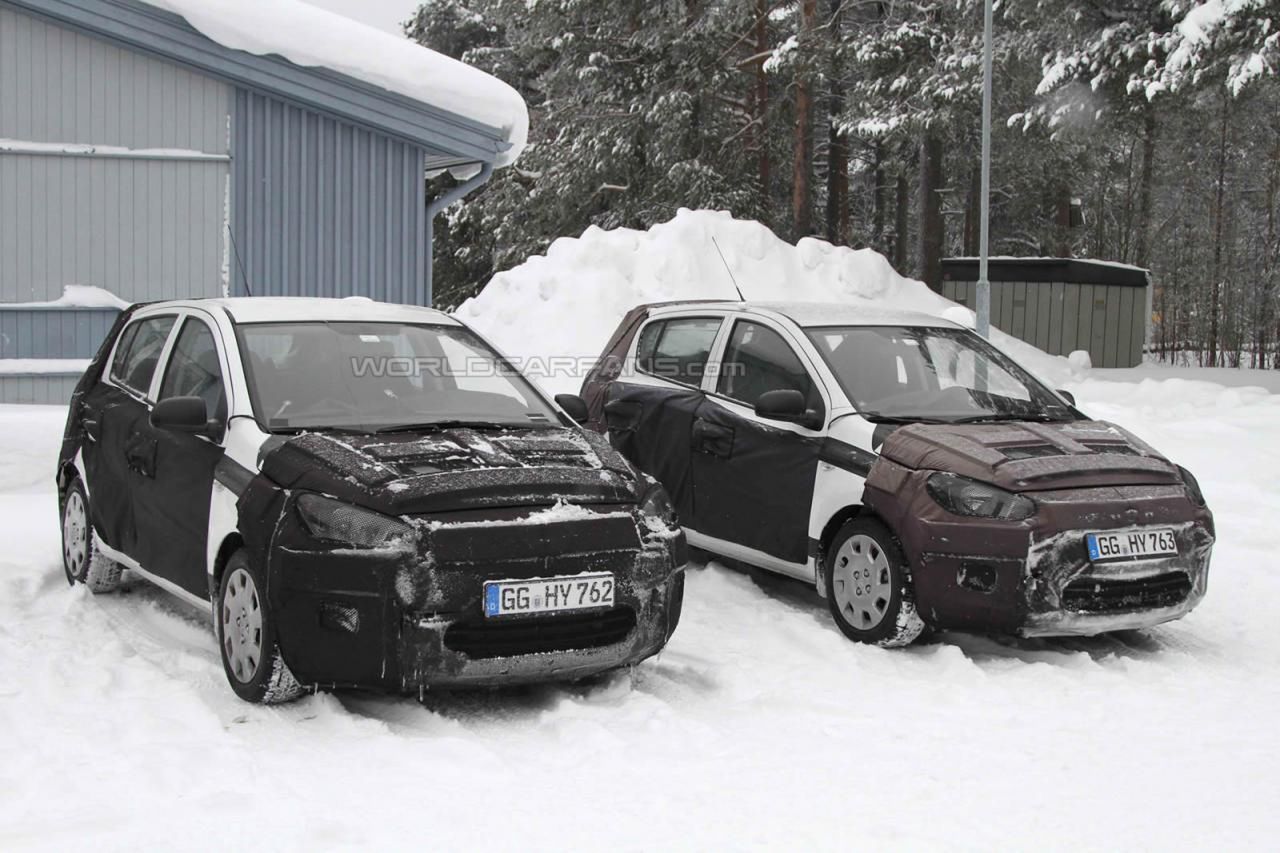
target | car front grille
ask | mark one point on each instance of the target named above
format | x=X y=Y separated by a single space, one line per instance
x=1098 y=595
x=496 y=638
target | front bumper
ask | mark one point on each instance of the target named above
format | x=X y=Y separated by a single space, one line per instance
x=411 y=620
x=1034 y=577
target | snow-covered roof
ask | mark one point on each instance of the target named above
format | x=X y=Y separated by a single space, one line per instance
x=285 y=309
x=822 y=313
x=309 y=36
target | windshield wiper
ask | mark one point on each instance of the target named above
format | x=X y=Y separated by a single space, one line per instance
x=448 y=424
x=995 y=417
x=877 y=418
x=297 y=430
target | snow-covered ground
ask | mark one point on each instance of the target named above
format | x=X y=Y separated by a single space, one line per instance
x=760 y=726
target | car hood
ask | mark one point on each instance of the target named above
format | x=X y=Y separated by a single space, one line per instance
x=1032 y=456
x=443 y=470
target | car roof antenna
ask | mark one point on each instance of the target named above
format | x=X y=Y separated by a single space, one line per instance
x=239 y=262
x=729 y=271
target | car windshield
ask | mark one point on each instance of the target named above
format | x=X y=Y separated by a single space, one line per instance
x=941 y=375
x=368 y=377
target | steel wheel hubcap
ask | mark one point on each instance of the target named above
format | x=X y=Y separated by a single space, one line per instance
x=862 y=582
x=75 y=534
x=241 y=625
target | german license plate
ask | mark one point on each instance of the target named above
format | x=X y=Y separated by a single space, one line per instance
x=1131 y=544
x=548 y=595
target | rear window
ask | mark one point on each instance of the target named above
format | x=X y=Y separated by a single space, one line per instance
x=138 y=353
x=677 y=349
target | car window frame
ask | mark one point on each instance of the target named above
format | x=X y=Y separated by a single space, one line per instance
x=798 y=347
x=146 y=397
x=668 y=318
x=219 y=347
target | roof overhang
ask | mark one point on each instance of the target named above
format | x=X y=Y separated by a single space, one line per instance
x=1044 y=270
x=448 y=139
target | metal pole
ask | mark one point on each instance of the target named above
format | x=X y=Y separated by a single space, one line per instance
x=426 y=293
x=984 y=284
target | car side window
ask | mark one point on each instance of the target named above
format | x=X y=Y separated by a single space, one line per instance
x=757 y=360
x=194 y=369
x=677 y=349
x=139 y=353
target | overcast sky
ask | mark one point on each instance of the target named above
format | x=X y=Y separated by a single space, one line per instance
x=383 y=14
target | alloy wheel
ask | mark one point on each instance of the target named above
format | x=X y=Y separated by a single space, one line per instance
x=863 y=582
x=241 y=625
x=75 y=535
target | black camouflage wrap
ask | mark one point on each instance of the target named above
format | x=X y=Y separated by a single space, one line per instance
x=485 y=504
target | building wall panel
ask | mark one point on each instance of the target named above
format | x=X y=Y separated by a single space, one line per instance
x=53 y=332
x=324 y=208
x=59 y=85
x=142 y=229
x=147 y=222
x=42 y=389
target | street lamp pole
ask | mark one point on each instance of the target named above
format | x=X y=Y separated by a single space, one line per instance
x=984 y=284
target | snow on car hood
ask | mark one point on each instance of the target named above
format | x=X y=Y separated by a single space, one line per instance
x=1032 y=456
x=442 y=470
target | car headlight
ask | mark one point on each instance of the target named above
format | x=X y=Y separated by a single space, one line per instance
x=657 y=509
x=336 y=521
x=962 y=496
x=1193 y=487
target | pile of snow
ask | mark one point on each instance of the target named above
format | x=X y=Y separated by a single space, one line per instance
x=77 y=296
x=43 y=366
x=567 y=302
x=309 y=36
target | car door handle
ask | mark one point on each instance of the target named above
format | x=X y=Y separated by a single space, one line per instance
x=712 y=438
x=140 y=455
x=92 y=428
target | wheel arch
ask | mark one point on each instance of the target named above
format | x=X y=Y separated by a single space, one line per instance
x=231 y=543
x=839 y=519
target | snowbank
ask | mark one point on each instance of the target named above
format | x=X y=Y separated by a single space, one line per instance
x=77 y=296
x=309 y=36
x=567 y=302
x=754 y=729
x=43 y=366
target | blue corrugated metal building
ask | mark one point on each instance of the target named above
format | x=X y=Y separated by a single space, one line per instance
x=140 y=157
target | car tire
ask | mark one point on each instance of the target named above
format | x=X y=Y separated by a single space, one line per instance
x=246 y=631
x=869 y=585
x=82 y=562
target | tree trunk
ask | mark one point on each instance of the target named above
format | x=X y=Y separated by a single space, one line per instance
x=1219 y=216
x=837 y=146
x=1142 y=249
x=762 y=100
x=932 y=227
x=901 y=223
x=1062 y=219
x=973 y=213
x=802 y=171
x=878 y=200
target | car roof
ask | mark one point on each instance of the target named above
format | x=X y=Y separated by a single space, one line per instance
x=813 y=314
x=302 y=309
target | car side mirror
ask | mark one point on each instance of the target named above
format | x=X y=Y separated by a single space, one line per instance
x=183 y=414
x=787 y=404
x=574 y=406
x=1068 y=396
